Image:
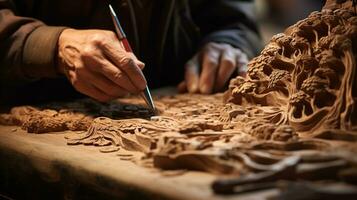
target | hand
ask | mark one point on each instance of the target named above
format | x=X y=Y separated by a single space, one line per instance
x=97 y=65
x=210 y=69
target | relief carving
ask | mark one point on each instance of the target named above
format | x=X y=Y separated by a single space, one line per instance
x=293 y=117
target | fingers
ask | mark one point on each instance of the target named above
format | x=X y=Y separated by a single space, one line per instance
x=210 y=63
x=87 y=88
x=192 y=75
x=226 y=68
x=231 y=59
x=242 y=63
x=127 y=62
x=182 y=87
x=104 y=84
x=97 y=65
x=212 y=70
x=105 y=68
x=134 y=73
x=140 y=64
x=93 y=92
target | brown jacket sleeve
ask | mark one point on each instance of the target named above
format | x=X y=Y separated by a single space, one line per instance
x=228 y=21
x=28 y=47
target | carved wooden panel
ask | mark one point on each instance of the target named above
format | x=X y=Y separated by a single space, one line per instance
x=294 y=116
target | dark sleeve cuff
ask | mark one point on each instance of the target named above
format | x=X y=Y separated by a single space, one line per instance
x=247 y=41
x=40 y=52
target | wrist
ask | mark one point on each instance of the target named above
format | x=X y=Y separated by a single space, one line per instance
x=60 y=61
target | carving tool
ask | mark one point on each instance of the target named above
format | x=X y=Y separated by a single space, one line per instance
x=146 y=95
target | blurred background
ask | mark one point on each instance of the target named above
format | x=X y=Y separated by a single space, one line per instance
x=276 y=15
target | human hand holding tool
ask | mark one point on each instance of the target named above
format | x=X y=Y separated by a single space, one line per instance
x=97 y=65
x=122 y=37
x=100 y=66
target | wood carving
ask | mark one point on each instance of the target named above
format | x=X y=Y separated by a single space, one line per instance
x=293 y=117
x=309 y=72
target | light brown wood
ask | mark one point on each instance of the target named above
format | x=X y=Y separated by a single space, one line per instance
x=50 y=156
x=292 y=118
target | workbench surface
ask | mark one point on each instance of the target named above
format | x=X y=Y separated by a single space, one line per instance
x=44 y=166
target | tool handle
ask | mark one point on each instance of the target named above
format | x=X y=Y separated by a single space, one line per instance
x=126 y=45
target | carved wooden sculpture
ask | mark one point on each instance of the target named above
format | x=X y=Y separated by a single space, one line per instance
x=293 y=117
x=309 y=72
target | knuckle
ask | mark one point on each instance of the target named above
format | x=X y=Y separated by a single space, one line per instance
x=127 y=61
x=99 y=39
x=226 y=46
x=238 y=51
x=87 y=52
x=118 y=75
x=212 y=62
x=96 y=37
x=111 y=34
x=229 y=62
x=213 y=44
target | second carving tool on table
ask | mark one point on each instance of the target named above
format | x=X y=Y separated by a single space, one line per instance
x=146 y=95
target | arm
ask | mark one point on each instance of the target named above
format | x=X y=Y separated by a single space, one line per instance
x=94 y=61
x=27 y=47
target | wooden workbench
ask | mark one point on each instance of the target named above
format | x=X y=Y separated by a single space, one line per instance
x=43 y=166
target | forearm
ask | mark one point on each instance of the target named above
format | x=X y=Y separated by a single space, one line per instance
x=27 y=47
